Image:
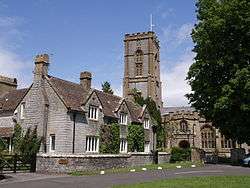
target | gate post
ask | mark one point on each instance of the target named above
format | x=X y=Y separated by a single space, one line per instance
x=15 y=163
x=33 y=164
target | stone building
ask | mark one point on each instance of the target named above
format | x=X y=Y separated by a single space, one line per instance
x=10 y=97
x=186 y=128
x=69 y=115
x=142 y=66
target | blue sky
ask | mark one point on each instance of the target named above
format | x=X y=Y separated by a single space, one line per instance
x=88 y=35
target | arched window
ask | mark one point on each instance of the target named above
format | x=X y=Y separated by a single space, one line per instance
x=138 y=55
x=208 y=139
x=183 y=126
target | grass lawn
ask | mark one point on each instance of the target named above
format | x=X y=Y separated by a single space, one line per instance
x=165 y=166
x=196 y=182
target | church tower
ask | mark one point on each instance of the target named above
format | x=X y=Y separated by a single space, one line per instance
x=142 y=66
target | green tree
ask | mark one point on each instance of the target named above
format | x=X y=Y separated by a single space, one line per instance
x=135 y=138
x=220 y=75
x=106 y=88
x=155 y=115
x=110 y=138
x=3 y=147
x=27 y=145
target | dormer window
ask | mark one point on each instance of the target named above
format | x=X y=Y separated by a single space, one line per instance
x=22 y=113
x=146 y=123
x=123 y=119
x=93 y=113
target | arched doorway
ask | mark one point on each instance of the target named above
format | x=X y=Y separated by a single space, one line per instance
x=184 y=144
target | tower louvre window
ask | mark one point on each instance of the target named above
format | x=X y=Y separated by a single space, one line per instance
x=138 y=69
x=139 y=55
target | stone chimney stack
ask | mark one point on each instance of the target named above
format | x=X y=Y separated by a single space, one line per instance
x=85 y=80
x=41 y=65
x=7 y=85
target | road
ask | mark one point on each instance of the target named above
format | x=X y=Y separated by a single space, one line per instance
x=105 y=181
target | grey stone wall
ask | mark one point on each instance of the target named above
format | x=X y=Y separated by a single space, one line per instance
x=69 y=163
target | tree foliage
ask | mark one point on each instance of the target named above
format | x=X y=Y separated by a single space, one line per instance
x=135 y=138
x=180 y=154
x=220 y=76
x=26 y=145
x=155 y=115
x=110 y=138
x=106 y=88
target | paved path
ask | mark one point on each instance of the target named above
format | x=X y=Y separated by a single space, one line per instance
x=104 y=181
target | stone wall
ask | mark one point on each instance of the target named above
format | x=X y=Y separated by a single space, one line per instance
x=69 y=163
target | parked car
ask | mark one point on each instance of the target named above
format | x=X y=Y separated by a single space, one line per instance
x=246 y=161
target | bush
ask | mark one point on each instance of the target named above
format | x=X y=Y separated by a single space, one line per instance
x=179 y=154
x=110 y=139
x=135 y=138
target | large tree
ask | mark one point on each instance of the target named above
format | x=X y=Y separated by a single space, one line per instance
x=106 y=88
x=220 y=75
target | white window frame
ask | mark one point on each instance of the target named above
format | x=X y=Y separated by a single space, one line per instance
x=52 y=144
x=93 y=113
x=146 y=124
x=123 y=145
x=123 y=119
x=147 y=147
x=92 y=144
x=22 y=108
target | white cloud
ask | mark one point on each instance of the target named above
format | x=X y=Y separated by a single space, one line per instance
x=11 y=64
x=184 y=32
x=174 y=85
x=175 y=36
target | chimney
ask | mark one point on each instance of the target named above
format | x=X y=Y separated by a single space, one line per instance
x=41 y=65
x=7 y=85
x=85 y=80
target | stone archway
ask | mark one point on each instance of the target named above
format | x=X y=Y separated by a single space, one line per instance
x=184 y=144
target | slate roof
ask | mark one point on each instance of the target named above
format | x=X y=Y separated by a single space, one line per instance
x=167 y=110
x=10 y=101
x=72 y=94
x=111 y=103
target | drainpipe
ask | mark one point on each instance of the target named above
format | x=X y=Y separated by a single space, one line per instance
x=74 y=133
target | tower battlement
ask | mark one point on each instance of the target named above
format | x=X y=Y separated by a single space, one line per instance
x=8 y=81
x=141 y=36
x=7 y=84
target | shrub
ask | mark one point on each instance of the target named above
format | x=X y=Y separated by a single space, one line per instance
x=135 y=138
x=110 y=139
x=179 y=154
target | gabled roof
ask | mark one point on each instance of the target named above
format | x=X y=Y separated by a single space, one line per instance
x=72 y=94
x=10 y=100
x=111 y=104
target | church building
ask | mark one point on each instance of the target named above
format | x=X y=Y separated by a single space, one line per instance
x=69 y=115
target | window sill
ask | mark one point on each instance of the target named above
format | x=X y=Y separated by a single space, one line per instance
x=96 y=120
x=123 y=124
x=92 y=152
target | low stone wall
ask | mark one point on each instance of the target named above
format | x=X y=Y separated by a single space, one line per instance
x=68 y=163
